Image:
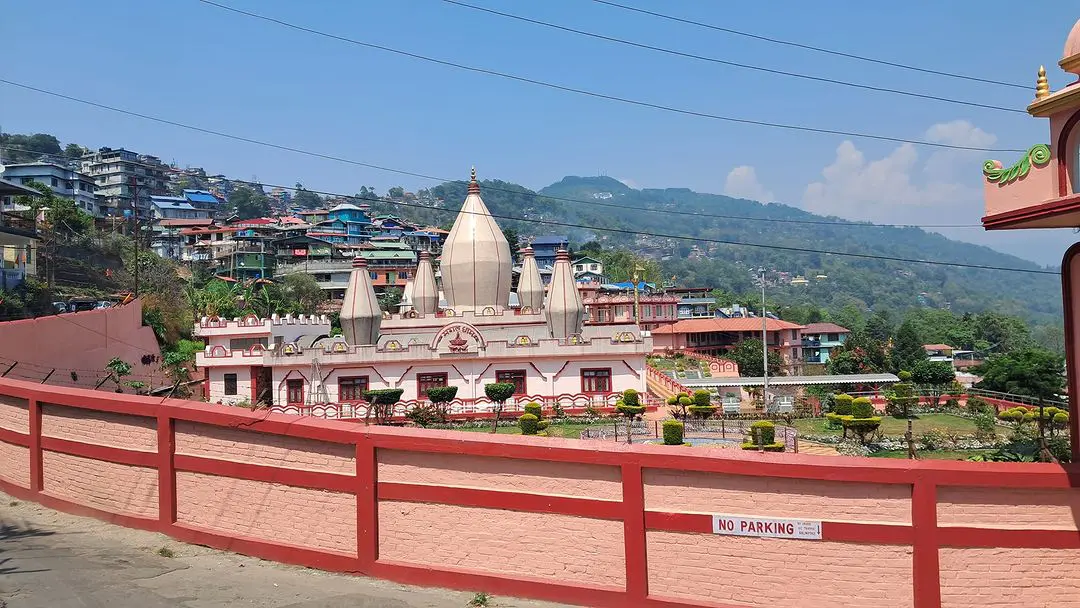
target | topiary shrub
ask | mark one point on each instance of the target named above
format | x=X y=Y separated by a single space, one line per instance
x=499 y=393
x=542 y=425
x=630 y=397
x=381 y=403
x=862 y=427
x=673 y=432
x=528 y=424
x=862 y=408
x=535 y=409
x=440 y=396
x=702 y=398
x=832 y=421
x=769 y=447
x=976 y=405
x=762 y=431
x=423 y=415
x=904 y=375
x=842 y=405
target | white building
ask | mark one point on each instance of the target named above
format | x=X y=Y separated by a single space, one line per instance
x=474 y=339
x=64 y=182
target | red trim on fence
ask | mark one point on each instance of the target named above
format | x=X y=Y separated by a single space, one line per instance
x=635 y=550
x=166 y=442
x=61 y=504
x=14 y=438
x=495 y=499
x=37 y=468
x=926 y=573
x=315 y=480
x=1011 y=539
x=367 y=505
x=836 y=531
x=265 y=549
x=100 y=452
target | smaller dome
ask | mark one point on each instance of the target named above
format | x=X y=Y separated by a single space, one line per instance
x=1071 y=54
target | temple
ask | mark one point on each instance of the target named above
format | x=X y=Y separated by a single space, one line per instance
x=1042 y=190
x=465 y=334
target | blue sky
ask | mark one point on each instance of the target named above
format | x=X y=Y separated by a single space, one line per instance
x=195 y=63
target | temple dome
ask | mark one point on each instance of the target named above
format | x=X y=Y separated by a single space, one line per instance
x=1070 y=59
x=361 y=316
x=476 y=262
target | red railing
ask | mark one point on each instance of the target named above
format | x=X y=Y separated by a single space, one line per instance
x=924 y=478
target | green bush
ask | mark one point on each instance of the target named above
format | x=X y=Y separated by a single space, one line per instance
x=904 y=375
x=833 y=421
x=702 y=398
x=423 y=415
x=862 y=427
x=1061 y=418
x=529 y=424
x=842 y=404
x=984 y=425
x=673 y=432
x=702 y=412
x=542 y=425
x=762 y=431
x=976 y=405
x=673 y=400
x=630 y=397
x=952 y=403
x=442 y=394
x=862 y=408
x=535 y=409
x=769 y=447
x=685 y=401
x=628 y=410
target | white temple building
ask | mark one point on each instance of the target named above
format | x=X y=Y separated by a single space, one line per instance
x=476 y=338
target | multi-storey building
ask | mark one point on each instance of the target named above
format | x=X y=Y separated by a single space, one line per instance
x=820 y=339
x=716 y=336
x=119 y=174
x=64 y=181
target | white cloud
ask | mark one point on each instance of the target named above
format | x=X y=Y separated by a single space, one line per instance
x=742 y=182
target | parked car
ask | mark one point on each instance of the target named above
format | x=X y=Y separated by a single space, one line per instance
x=60 y=306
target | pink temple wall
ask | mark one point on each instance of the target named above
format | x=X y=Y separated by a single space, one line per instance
x=110 y=487
x=998 y=578
x=83 y=342
x=14 y=415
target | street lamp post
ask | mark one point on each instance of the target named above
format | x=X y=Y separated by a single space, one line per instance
x=764 y=347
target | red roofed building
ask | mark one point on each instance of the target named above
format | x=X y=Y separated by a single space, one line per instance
x=717 y=336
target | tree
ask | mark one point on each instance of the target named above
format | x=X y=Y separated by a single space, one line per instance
x=390 y=299
x=381 y=403
x=306 y=199
x=440 y=396
x=901 y=400
x=118 y=369
x=498 y=392
x=396 y=193
x=74 y=151
x=747 y=354
x=907 y=349
x=512 y=238
x=301 y=292
x=880 y=326
x=1034 y=372
x=935 y=375
x=630 y=407
x=248 y=203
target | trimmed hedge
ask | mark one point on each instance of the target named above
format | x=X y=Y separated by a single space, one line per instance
x=535 y=409
x=764 y=429
x=862 y=408
x=769 y=447
x=673 y=432
x=702 y=398
x=542 y=424
x=842 y=404
x=529 y=424
x=703 y=411
x=630 y=397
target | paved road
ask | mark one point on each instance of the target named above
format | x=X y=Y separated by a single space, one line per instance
x=53 y=560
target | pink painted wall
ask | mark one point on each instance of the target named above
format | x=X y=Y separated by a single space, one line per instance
x=194 y=439
x=778 y=572
x=100 y=428
x=270 y=511
x=999 y=578
x=690 y=492
x=561 y=548
x=16 y=464
x=504 y=474
x=14 y=414
x=82 y=341
x=1050 y=509
x=111 y=487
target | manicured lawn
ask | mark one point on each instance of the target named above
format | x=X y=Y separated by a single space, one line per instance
x=896 y=426
x=932 y=455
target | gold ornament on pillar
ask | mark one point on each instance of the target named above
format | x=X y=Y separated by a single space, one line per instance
x=1042 y=86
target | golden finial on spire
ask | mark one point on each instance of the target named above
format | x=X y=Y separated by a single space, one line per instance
x=474 y=186
x=1042 y=86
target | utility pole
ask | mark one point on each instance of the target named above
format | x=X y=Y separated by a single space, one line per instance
x=637 y=302
x=764 y=347
x=134 y=182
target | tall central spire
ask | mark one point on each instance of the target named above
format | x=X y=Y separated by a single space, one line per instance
x=476 y=257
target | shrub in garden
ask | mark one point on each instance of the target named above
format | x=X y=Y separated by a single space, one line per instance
x=862 y=408
x=861 y=427
x=768 y=447
x=673 y=432
x=630 y=407
x=762 y=431
x=703 y=407
x=977 y=405
x=440 y=396
x=631 y=397
x=535 y=409
x=529 y=424
x=499 y=393
x=842 y=404
x=423 y=415
x=381 y=403
x=833 y=421
x=985 y=428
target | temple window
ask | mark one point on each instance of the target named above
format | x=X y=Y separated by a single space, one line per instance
x=230 y=384
x=294 y=391
x=352 y=388
x=513 y=376
x=245 y=343
x=426 y=381
x=596 y=380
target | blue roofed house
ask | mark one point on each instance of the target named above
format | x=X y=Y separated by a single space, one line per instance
x=175 y=208
x=545 y=247
x=201 y=199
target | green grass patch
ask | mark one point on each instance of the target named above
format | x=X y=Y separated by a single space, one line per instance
x=896 y=426
x=933 y=455
x=569 y=431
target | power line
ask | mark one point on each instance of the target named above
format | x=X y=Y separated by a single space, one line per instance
x=546 y=222
x=808 y=47
x=867 y=256
x=518 y=192
x=735 y=64
x=569 y=89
